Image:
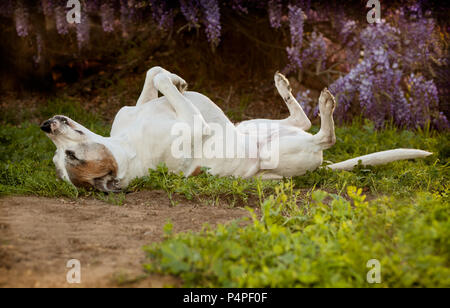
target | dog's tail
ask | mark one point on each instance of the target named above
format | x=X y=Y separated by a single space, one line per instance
x=379 y=158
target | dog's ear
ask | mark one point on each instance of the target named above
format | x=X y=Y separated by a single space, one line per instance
x=107 y=183
x=97 y=168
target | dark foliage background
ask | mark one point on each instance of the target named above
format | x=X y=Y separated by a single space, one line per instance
x=392 y=72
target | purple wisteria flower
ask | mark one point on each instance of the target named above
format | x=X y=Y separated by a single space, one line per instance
x=395 y=70
x=83 y=29
x=423 y=97
x=275 y=11
x=441 y=122
x=349 y=35
x=418 y=36
x=305 y=102
x=239 y=6
x=162 y=14
x=47 y=7
x=61 y=23
x=211 y=20
x=107 y=16
x=296 y=23
x=377 y=81
x=21 y=18
x=128 y=15
x=39 y=48
x=190 y=11
x=124 y=17
x=316 y=52
x=348 y=28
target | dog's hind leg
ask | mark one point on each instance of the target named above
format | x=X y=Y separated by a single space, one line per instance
x=149 y=92
x=297 y=116
x=326 y=137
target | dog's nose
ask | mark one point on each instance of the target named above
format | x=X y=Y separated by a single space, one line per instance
x=46 y=126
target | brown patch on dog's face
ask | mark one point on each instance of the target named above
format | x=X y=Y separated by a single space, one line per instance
x=92 y=165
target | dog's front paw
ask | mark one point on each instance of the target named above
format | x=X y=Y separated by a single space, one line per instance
x=179 y=82
x=181 y=85
x=327 y=102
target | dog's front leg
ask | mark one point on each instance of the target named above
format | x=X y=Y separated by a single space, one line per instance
x=184 y=108
x=150 y=92
x=61 y=171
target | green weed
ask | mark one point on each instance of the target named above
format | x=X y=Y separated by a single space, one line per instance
x=26 y=165
x=205 y=185
x=325 y=243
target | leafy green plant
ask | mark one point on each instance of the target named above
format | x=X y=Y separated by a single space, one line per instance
x=325 y=243
x=311 y=230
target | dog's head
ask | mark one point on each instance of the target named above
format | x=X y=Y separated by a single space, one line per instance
x=81 y=156
x=61 y=127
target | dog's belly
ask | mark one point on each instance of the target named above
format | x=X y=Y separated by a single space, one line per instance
x=295 y=151
x=299 y=163
x=149 y=130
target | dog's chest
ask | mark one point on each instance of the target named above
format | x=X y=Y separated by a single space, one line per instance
x=142 y=119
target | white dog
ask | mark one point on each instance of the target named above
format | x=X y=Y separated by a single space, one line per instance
x=143 y=136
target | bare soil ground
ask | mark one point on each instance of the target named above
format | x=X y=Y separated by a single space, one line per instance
x=39 y=235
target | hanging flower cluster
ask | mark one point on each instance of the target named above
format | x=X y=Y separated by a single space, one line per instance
x=384 y=73
x=387 y=82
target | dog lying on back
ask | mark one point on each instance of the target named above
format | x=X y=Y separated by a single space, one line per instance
x=186 y=131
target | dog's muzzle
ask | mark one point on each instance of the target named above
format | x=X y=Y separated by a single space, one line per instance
x=47 y=126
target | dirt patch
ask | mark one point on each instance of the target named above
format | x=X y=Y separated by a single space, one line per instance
x=39 y=235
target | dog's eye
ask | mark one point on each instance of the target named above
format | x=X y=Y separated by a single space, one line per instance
x=71 y=155
x=64 y=120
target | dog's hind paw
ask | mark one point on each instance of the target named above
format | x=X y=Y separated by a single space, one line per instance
x=327 y=102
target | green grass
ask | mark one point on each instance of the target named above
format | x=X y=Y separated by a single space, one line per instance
x=314 y=230
x=204 y=187
x=326 y=242
x=399 y=178
x=26 y=165
x=308 y=237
